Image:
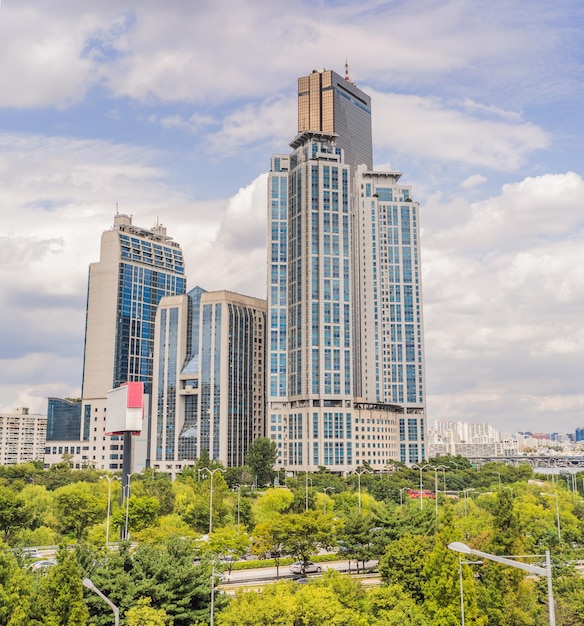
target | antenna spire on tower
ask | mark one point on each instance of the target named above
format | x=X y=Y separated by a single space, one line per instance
x=347 y=70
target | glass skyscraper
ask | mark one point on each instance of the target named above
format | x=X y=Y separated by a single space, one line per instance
x=209 y=378
x=344 y=295
x=137 y=268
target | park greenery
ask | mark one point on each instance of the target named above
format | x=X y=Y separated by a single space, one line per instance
x=178 y=548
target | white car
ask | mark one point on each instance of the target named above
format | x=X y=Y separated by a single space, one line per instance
x=311 y=568
x=44 y=564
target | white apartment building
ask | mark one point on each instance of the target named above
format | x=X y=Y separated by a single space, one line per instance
x=22 y=437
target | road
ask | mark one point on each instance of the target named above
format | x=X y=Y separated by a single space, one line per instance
x=256 y=578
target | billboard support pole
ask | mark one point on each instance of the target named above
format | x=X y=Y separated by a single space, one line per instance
x=126 y=471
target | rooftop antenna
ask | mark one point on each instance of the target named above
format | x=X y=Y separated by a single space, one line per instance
x=347 y=71
x=117 y=209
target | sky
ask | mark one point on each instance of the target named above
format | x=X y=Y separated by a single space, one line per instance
x=171 y=110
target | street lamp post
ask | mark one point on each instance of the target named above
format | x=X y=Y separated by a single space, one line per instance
x=213 y=576
x=499 y=476
x=87 y=582
x=444 y=475
x=401 y=496
x=211 y=474
x=238 y=502
x=465 y=493
x=436 y=468
x=325 y=491
x=460 y=564
x=555 y=495
x=126 y=534
x=359 y=472
x=421 y=468
x=306 y=490
x=109 y=501
x=546 y=571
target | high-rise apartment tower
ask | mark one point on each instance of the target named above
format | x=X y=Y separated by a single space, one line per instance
x=346 y=361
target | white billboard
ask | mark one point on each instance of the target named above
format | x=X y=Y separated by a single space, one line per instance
x=125 y=409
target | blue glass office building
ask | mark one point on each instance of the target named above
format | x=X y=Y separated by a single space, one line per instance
x=209 y=379
x=63 y=419
x=137 y=268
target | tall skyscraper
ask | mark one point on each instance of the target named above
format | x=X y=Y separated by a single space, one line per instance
x=333 y=105
x=137 y=268
x=389 y=327
x=209 y=378
x=346 y=377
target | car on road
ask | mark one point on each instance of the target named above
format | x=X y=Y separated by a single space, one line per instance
x=44 y=564
x=31 y=553
x=300 y=568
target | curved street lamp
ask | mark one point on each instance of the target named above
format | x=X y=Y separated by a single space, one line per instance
x=359 y=472
x=126 y=533
x=87 y=582
x=555 y=495
x=436 y=468
x=211 y=474
x=421 y=468
x=325 y=489
x=109 y=501
x=546 y=571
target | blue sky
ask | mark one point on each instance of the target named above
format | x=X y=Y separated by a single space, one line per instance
x=172 y=110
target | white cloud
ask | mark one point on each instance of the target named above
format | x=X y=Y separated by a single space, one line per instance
x=42 y=58
x=56 y=196
x=536 y=209
x=269 y=121
x=502 y=295
x=473 y=181
x=191 y=124
x=426 y=128
x=477 y=107
x=235 y=258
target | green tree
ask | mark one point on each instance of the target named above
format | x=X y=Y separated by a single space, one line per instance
x=282 y=604
x=305 y=533
x=196 y=513
x=261 y=456
x=13 y=512
x=403 y=564
x=268 y=540
x=356 y=537
x=76 y=508
x=390 y=605
x=165 y=573
x=17 y=596
x=167 y=527
x=205 y=462
x=272 y=503
x=441 y=581
x=156 y=485
x=142 y=614
x=142 y=513
x=61 y=593
x=506 y=594
x=227 y=542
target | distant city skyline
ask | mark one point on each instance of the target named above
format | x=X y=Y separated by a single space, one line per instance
x=172 y=113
